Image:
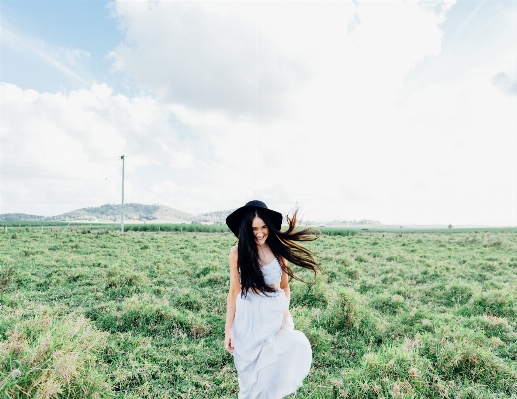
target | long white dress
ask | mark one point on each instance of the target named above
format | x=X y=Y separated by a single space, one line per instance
x=271 y=361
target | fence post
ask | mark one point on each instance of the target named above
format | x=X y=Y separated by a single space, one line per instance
x=66 y=227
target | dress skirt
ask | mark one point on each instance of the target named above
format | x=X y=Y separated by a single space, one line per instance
x=271 y=361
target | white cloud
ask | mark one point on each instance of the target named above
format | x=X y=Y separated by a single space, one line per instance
x=164 y=187
x=396 y=119
x=61 y=151
x=320 y=141
x=505 y=83
x=188 y=54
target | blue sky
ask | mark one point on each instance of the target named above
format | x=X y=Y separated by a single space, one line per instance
x=73 y=24
x=397 y=111
x=84 y=25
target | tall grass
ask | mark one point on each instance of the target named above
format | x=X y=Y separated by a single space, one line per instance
x=49 y=356
x=337 y=231
x=6 y=276
x=201 y=228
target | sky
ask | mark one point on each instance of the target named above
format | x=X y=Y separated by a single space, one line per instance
x=397 y=111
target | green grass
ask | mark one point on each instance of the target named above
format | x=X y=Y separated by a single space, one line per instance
x=83 y=226
x=18 y=224
x=337 y=231
x=141 y=315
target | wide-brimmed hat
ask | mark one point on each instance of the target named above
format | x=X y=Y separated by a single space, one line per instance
x=234 y=219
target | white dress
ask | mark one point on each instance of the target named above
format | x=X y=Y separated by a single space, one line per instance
x=271 y=361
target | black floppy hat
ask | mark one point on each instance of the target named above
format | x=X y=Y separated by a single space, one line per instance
x=234 y=219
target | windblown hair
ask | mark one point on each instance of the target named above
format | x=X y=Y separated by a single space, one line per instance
x=283 y=244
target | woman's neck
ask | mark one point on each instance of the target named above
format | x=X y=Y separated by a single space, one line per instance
x=263 y=247
x=264 y=253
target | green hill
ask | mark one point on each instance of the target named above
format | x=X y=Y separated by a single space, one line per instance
x=111 y=213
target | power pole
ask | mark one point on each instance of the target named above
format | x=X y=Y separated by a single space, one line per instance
x=122 y=218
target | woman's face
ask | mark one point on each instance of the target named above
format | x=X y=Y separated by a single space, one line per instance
x=260 y=230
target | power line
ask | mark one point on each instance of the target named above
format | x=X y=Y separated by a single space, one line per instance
x=122 y=218
x=53 y=165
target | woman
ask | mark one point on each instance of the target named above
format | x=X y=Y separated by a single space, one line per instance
x=271 y=358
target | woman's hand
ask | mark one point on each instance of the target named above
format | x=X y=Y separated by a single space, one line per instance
x=228 y=340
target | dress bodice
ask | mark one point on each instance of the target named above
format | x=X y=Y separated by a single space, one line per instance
x=272 y=272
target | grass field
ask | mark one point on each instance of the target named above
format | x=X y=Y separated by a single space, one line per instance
x=141 y=315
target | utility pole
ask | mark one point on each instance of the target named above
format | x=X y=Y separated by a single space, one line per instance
x=122 y=218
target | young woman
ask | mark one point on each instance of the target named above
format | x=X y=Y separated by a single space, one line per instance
x=270 y=356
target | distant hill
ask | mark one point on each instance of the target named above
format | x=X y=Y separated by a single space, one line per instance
x=111 y=213
x=139 y=213
x=132 y=212
x=21 y=216
x=218 y=217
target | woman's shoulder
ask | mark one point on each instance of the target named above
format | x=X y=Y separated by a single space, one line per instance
x=282 y=261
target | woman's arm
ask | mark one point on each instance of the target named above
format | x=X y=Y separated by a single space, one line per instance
x=235 y=288
x=284 y=281
x=284 y=284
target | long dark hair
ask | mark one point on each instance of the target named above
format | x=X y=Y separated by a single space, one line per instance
x=283 y=245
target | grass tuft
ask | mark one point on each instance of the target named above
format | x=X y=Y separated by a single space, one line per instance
x=51 y=357
x=7 y=275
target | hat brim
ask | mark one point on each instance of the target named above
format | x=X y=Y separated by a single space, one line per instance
x=234 y=219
